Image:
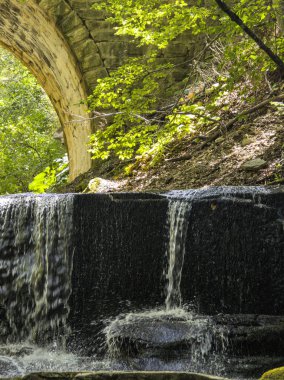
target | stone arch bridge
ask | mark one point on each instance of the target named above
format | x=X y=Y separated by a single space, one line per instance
x=68 y=46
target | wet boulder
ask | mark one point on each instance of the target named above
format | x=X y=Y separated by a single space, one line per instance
x=274 y=374
x=161 y=334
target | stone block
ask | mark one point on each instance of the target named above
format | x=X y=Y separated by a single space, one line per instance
x=113 y=62
x=70 y=22
x=112 y=49
x=91 y=61
x=91 y=77
x=77 y=35
x=62 y=10
x=102 y=35
x=98 y=24
x=90 y=14
x=84 y=48
x=82 y=5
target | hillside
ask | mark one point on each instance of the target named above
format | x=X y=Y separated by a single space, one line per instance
x=223 y=155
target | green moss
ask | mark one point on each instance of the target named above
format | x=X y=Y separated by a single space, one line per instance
x=274 y=374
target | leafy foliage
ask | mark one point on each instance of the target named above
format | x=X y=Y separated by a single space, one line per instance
x=55 y=174
x=132 y=93
x=135 y=123
x=155 y=22
x=27 y=124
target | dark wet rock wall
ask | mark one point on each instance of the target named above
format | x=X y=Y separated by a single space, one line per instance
x=119 y=260
x=234 y=261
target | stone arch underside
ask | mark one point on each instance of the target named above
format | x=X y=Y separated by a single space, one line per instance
x=27 y=31
x=68 y=46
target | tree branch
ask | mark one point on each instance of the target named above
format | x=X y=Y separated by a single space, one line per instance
x=235 y=18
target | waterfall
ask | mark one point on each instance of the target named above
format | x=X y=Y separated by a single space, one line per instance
x=178 y=213
x=35 y=265
x=172 y=331
x=222 y=244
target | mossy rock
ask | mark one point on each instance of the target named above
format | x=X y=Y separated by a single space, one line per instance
x=274 y=374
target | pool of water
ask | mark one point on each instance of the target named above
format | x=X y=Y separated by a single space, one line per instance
x=21 y=359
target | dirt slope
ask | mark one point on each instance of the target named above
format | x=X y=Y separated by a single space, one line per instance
x=221 y=162
x=218 y=158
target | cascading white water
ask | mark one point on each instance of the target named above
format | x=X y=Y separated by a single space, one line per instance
x=179 y=209
x=172 y=328
x=178 y=213
x=200 y=330
x=35 y=265
x=35 y=268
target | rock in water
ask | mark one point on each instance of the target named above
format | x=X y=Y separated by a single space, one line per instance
x=274 y=374
x=163 y=334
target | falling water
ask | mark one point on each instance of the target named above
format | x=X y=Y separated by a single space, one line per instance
x=179 y=209
x=173 y=329
x=35 y=266
x=178 y=213
x=35 y=270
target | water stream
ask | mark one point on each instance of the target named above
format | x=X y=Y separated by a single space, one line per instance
x=174 y=331
x=35 y=285
x=35 y=272
x=35 y=266
x=178 y=215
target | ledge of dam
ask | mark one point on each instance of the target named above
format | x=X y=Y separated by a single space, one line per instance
x=188 y=281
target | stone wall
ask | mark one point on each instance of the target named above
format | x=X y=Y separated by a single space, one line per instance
x=68 y=46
